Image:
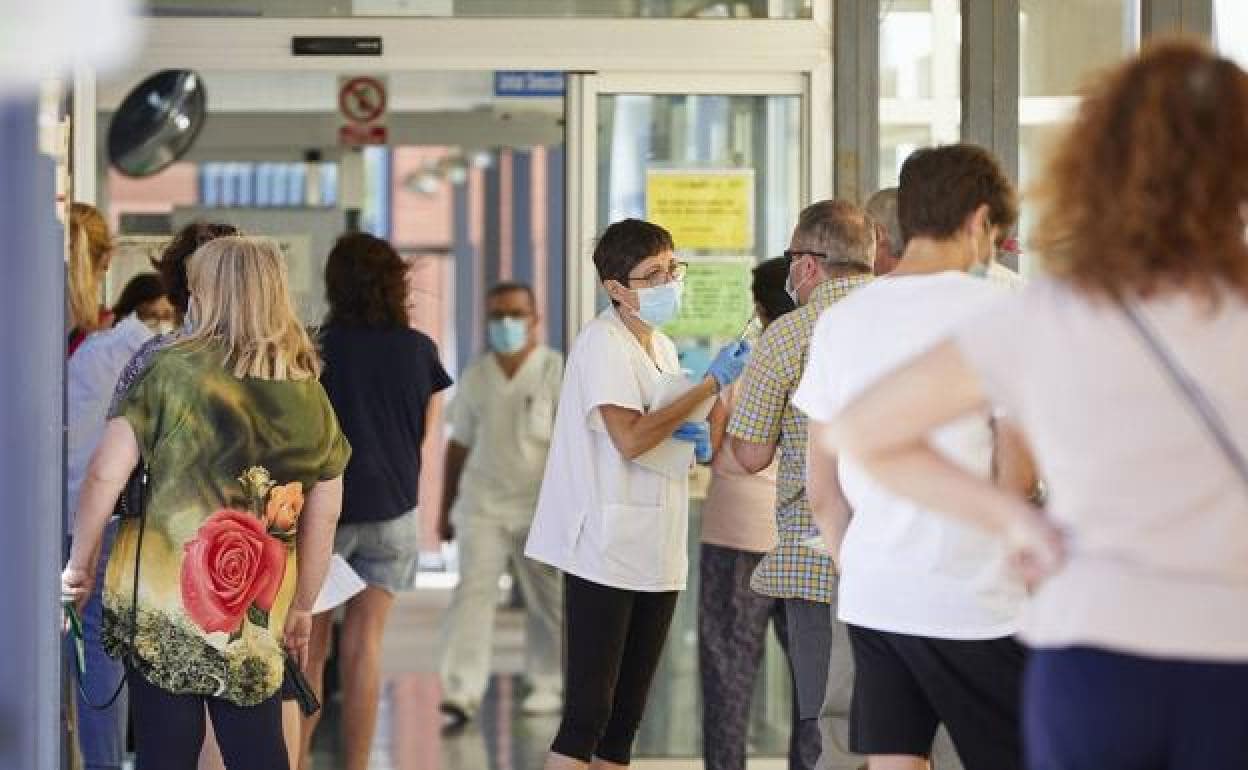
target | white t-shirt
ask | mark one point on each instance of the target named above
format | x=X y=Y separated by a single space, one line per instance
x=601 y=516
x=506 y=424
x=905 y=569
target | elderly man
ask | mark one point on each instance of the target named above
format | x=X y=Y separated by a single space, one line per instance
x=830 y=255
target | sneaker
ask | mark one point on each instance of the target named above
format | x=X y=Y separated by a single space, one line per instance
x=454 y=717
x=542 y=703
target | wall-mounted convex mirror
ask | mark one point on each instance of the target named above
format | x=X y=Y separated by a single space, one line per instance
x=157 y=122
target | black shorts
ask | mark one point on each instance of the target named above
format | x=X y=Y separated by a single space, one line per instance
x=906 y=686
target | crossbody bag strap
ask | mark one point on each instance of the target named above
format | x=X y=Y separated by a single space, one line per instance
x=1192 y=392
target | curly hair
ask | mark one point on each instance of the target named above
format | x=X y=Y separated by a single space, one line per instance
x=366 y=283
x=171 y=264
x=1147 y=189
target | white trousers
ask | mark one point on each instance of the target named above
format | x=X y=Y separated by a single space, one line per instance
x=486 y=548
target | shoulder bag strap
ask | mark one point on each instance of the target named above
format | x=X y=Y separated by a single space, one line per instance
x=1191 y=390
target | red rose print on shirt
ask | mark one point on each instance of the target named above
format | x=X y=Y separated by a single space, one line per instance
x=231 y=564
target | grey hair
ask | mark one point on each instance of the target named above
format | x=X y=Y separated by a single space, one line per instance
x=882 y=208
x=838 y=229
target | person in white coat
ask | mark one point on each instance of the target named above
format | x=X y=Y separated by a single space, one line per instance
x=614 y=506
x=501 y=422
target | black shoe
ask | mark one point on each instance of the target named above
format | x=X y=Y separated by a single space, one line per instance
x=454 y=717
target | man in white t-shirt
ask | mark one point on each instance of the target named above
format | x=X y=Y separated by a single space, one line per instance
x=931 y=603
x=501 y=423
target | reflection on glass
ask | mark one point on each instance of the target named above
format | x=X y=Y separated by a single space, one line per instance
x=920 y=81
x=1230 y=29
x=668 y=9
x=1061 y=44
x=643 y=134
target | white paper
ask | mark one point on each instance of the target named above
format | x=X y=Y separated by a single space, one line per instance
x=673 y=457
x=341 y=583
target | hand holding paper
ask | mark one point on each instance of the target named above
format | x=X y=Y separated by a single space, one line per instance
x=341 y=583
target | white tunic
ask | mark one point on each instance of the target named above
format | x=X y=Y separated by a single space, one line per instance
x=600 y=516
x=506 y=424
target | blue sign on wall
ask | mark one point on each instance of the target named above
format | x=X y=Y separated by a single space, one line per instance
x=529 y=83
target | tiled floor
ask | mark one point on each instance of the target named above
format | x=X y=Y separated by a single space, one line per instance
x=408 y=736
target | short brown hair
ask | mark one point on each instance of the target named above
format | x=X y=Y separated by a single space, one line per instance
x=942 y=186
x=1147 y=188
x=838 y=229
x=626 y=243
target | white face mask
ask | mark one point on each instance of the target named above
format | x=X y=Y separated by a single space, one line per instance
x=159 y=326
x=792 y=290
x=659 y=304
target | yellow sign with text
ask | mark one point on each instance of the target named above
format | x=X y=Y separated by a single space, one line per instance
x=703 y=209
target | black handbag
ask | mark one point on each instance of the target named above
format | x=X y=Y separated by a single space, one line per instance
x=131 y=504
x=133 y=500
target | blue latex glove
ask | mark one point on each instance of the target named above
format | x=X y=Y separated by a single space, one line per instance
x=698 y=434
x=729 y=362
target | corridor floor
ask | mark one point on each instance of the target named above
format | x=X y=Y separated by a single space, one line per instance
x=409 y=738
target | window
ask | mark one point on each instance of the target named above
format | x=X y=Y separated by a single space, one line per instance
x=663 y=9
x=1062 y=43
x=920 y=79
x=1230 y=29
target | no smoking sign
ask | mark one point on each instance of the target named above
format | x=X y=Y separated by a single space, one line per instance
x=362 y=104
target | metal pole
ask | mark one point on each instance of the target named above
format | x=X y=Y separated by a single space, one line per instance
x=32 y=356
x=857 y=98
x=990 y=42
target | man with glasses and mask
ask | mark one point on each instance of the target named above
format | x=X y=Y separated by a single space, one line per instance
x=501 y=423
x=830 y=255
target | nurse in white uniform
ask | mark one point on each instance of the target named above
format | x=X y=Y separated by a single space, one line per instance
x=613 y=511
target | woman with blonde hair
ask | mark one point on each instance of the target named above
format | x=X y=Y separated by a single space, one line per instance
x=1125 y=370
x=90 y=250
x=244 y=458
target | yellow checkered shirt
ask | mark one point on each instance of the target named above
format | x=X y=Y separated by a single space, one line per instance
x=764 y=414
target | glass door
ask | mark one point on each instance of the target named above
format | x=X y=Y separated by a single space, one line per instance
x=724 y=162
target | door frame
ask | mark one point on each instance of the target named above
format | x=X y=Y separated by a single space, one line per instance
x=725 y=56
x=581 y=185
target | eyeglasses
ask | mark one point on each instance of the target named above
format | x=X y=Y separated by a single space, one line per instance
x=676 y=271
x=791 y=255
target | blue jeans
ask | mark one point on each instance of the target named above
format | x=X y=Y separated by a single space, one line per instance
x=101 y=733
x=1090 y=709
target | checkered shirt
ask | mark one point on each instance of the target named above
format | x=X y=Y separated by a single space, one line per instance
x=764 y=414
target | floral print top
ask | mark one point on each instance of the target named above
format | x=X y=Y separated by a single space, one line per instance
x=229 y=462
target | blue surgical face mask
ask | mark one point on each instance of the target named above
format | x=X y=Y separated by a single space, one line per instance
x=507 y=335
x=660 y=304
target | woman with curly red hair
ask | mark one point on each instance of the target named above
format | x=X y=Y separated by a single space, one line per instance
x=1124 y=368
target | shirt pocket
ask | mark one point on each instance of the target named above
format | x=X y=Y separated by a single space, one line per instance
x=538 y=420
x=632 y=484
x=636 y=538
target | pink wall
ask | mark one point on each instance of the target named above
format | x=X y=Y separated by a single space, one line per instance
x=157 y=194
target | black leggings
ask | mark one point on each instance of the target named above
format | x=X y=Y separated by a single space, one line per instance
x=614 y=639
x=169 y=729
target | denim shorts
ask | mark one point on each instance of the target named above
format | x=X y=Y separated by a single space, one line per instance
x=384 y=553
